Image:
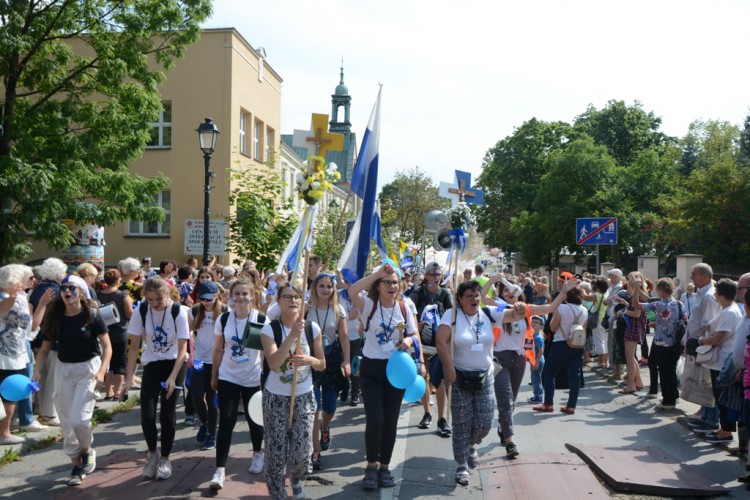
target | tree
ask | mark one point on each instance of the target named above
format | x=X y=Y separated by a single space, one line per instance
x=407 y=200
x=260 y=229
x=710 y=142
x=81 y=85
x=511 y=174
x=579 y=182
x=744 y=146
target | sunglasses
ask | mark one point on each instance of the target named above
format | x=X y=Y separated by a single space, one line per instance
x=69 y=288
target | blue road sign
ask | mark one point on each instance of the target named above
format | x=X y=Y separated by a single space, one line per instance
x=596 y=231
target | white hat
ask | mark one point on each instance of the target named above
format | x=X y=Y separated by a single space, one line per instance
x=616 y=272
x=78 y=281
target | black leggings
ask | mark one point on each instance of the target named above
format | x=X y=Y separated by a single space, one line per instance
x=664 y=360
x=154 y=374
x=203 y=398
x=382 y=408
x=229 y=399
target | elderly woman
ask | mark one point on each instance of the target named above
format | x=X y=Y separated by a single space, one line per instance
x=468 y=370
x=51 y=273
x=84 y=352
x=16 y=329
x=129 y=269
x=510 y=350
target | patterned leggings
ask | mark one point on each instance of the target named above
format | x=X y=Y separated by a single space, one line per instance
x=284 y=448
x=472 y=418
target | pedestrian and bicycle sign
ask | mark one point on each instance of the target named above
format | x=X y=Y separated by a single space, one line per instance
x=596 y=231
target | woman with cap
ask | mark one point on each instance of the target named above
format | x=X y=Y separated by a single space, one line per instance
x=387 y=320
x=236 y=373
x=326 y=312
x=289 y=442
x=468 y=370
x=163 y=328
x=118 y=333
x=202 y=319
x=509 y=349
x=84 y=352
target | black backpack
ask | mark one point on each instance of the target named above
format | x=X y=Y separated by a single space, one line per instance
x=277 y=334
x=175 y=310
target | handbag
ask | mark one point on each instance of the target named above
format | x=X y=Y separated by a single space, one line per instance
x=471 y=381
x=576 y=337
x=706 y=354
x=696 y=384
x=333 y=376
x=593 y=318
x=605 y=321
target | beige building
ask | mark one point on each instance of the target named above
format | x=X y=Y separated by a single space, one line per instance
x=223 y=77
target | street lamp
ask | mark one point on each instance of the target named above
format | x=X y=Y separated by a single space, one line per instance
x=207 y=133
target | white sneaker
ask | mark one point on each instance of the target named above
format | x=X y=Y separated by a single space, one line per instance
x=51 y=422
x=259 y=460
x=217 y=482
x=164 y=470
x=34 y=426
x=152 y=463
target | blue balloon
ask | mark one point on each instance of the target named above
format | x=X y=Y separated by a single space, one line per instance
x=15 y=388
x=401 y=370
x=415 y=391
x=355 y=365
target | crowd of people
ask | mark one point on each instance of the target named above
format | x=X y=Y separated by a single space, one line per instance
x=213 y=336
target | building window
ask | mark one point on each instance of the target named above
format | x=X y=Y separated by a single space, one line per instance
x=258 y=140
x=269 y=142
x=161 y=131
x=243 y=132
x=140 y=228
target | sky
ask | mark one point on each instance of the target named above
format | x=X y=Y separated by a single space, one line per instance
x=460 y=76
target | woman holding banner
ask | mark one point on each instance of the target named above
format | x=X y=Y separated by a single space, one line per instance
x=386 y=319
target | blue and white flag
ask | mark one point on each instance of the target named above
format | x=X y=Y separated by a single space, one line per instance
x=292 y=253
x=364 y=184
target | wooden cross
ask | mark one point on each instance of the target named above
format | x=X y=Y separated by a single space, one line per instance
x=461 y=191
x=318 y=140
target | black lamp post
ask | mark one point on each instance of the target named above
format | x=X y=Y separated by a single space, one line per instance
x=207 y=133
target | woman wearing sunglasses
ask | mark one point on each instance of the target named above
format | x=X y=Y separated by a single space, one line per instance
x=331 y=318
x=235 y=373
x=288 y=447
x=165 y=337
x=202 y=320
x=384 y=328
x=84 y=352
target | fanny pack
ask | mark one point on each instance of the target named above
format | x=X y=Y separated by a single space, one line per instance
x=470 y=380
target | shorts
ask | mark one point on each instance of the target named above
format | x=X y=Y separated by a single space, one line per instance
x=7 y=373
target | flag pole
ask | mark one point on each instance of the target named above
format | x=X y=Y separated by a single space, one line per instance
x=298 y=349
x=453 y=328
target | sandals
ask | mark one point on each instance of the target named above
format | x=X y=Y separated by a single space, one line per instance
x=568 y=410
x=462 y=476
x=623 y=391
x=544 y=407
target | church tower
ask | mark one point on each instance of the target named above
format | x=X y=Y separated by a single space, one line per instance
x=340 y=123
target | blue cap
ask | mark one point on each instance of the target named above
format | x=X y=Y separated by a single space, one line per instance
x=208 y=290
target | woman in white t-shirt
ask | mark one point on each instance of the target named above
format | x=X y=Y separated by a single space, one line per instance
x=510 y=351
x=326 y=312
x=203 y=317
x=354 y=330
x=162 y=325
x=720 y=335
x=235 y=374
x=561 y=355
x=467 y=369
x=387 y=320
x=288 y=449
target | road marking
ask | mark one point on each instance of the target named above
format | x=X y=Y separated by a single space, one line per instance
x=399 y=452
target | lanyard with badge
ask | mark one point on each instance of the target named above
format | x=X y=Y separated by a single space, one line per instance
x=323 y=325
x=238 y=351
x=477 y=330
x=385 y=338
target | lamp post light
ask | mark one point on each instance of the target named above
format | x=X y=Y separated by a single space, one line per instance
x=207 y=133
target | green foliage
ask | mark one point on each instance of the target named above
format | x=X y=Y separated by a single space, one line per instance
x=10 y=455
x=404 y=204
x=511 y=174
x=75 y=118
x=260 y=229
x=325 y=243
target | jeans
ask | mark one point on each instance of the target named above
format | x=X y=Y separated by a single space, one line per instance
x=561 y=355
x=24 y=406
x=536 y=379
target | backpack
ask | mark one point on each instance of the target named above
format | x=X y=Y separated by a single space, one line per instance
x=143 y=309
x=576 y=337
x=401 y=304
x=225 y=317
x=593 y=318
